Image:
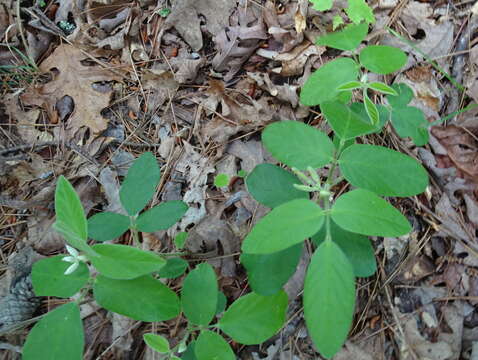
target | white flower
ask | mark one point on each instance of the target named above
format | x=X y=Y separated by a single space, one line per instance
x=74 y=259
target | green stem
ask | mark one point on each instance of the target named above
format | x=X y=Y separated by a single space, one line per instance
x=328 y=184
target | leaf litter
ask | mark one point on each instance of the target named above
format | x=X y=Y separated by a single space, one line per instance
x=196 y=87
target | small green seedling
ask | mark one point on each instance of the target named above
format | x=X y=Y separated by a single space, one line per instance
x=221 y=180
x=126 y=280
x=337 y=224
x=307 y=206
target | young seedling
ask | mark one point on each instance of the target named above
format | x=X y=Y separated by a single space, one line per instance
x=128 y=280
x=337 y=223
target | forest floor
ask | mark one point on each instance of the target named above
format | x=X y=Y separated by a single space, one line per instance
x=88 y=86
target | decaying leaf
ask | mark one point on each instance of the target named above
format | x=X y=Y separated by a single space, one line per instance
x=185 y=18
x=76 y=80
x=237 y=42
x=461 y=146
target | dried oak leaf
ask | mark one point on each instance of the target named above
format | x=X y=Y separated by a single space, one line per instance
x=461 y=146
x=74 y=78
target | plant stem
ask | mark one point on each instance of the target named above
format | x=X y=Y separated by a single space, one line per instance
x=328 y=184
x=135 y=236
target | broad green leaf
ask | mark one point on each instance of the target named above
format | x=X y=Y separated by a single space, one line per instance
x=382 y=59
x=329 y=298
x=347 y=39
x=140 y=183
x=410 y=121
x=107 y=226
x=162 y=216
x=346 y=123
x=298 y=145
x=156 y=342
x=382 y=88
x=359 y=11
x=403 y=97
x=267 y=273
x=273 y=186
x=286 y=225
x=211 y=346
x=322 y=85
x=57 y=336
x=125 y=262
x=143 y=298
x=361 y=211
x=322 y=5
x=371 y=109
x=221 y=302
x=199 y=295
x=174 y=268
x=221 y=180
x=356 y=247
x=49 y=279
x=351 y=85
x=180 y=239
x=70 y=216
x=253 y=318
x=384 y=171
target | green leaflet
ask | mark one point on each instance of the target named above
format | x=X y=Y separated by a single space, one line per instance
x=382 y=88
x=356 y=247
x=322 y=85
x=329 y=298
x=253 y=318
x=358 y=11
x=322 y=5
x=143 y=298
x=371 y=109
x=286 y=225
x=162 y=216
x=403 y=97
x=125 y=262
x=199 y=295
x=140 y=183
x=57 y=336
x=70 y=216
x=298 y=145
x=345 y=122
x=211 y=346
x=107 y=226
x=382 y=59
x=156 y=342
x=410 y=121
x=49 y=279
x=347 y=39
x=273 y=186
x=363 y=212
x=267 y=273
x=383 y=171
x=174 y=268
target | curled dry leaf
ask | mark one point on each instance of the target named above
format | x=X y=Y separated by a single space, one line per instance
x=185 y=18
x=461 y=146
x=236 y=43
x=76 y=80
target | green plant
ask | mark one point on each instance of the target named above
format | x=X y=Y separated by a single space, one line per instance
x=337 y=222
x=127 y=280
x=15 y=75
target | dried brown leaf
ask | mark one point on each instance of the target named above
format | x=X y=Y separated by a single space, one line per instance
x=75 y=80
x=461 y=146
